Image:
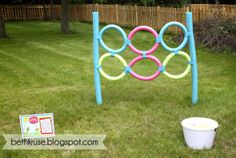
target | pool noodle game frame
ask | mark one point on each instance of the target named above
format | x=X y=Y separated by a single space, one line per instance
x=188 y=38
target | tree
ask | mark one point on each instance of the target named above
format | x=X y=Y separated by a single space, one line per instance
x=217 y=1
x=51 y=10
x=147 y=2
x=44 y=10
x=3 y=32
x=65 y=17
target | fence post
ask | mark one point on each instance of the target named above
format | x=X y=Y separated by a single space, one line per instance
x=151 y=18
x=192 y=48
x=96 y=7
x=117 y=14
x=136 y=15
x=158 y=16
x=97 y=82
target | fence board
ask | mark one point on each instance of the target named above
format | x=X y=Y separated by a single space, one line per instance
x=128 y=15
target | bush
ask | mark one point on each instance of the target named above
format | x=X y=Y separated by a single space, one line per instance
x=217 y=33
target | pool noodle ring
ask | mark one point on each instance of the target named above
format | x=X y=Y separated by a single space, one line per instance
x=121 y=31
x=106 y=75
x=182 y=74
x=145 y=78
x=165 y=27
x=145 y=54
x=139 y=28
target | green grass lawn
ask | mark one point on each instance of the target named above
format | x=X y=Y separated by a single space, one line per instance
x=43 y=71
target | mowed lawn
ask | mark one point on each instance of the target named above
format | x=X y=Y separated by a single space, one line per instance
x=43 y=71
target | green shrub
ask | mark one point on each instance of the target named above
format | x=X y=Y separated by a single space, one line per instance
x=217 y=33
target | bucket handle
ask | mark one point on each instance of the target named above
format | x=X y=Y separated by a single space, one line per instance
x=217 y=127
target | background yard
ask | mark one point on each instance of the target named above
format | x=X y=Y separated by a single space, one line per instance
x=43 y=71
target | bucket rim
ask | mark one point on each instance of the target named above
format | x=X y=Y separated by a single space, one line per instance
x=194 y=129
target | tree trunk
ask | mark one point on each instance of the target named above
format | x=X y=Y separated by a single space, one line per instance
x=51 y=10
x=44 y=11
x=65 y=17
x=3 y=32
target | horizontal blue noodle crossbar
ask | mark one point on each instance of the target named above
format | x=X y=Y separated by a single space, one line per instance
x=144 y=55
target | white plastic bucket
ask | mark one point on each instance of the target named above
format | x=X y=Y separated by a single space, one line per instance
x=199 y=132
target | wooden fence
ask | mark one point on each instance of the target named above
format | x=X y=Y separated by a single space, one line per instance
x=127 y=15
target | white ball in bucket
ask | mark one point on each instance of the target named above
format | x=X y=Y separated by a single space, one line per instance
x=199 y=132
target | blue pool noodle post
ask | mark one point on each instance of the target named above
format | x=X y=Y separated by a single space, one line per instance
x=97 y=81
x=192 y=49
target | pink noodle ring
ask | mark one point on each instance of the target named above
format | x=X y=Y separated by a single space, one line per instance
x=145 y=78
x=139 y=28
